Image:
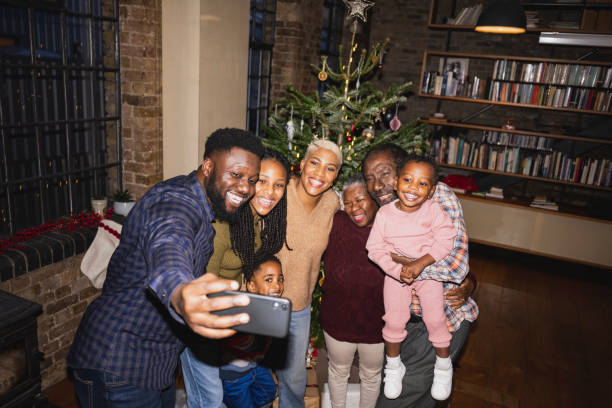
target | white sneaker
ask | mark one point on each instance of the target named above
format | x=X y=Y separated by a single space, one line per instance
x=442 y=384
x=393 y=380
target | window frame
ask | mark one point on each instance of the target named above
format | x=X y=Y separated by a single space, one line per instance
x=263 y=69
x=91 y=130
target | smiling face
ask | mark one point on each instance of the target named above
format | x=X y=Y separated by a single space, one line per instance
x=267 y=280
x=232 y=181
x=380 y=172
x=359 y=205
x=270 y=188
x=415 y=185
x=319 y=170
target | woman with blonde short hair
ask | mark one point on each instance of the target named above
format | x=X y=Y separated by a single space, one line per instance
x=311 y=205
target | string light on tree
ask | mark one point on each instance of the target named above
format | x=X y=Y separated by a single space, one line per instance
x=349 y=111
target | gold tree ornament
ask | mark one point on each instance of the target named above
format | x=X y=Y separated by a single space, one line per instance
x=368 y=133
x=323 y=75
x=358 y=8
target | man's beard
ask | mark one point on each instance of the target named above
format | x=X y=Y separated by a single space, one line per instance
x=218 y=202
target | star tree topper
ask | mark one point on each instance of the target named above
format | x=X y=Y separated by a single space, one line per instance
x=358 y=8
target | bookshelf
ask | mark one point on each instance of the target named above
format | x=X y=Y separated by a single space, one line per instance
x=569 y=126
x=522 y=154
x=578 y=233
x=556 y=165
x=574 y=172
x=568 y=16
x=535 y=83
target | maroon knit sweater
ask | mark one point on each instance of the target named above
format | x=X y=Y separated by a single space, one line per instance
x=352 y=305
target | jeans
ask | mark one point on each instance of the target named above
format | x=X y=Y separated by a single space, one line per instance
x=254 y=389
x=419 y=358
x=98 y=389
x=202 y=382
x=292 y=372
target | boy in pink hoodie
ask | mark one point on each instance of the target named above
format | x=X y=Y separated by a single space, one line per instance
x=418 y=228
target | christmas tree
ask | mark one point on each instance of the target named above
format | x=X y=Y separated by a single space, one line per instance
x=350 y=112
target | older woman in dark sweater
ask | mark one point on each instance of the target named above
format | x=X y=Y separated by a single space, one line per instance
x=352 y=305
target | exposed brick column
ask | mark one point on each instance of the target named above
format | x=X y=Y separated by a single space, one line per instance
x=296 y=46
x=140 y=28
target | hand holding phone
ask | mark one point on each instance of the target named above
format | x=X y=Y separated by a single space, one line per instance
x=187 y=301
x=269 y=315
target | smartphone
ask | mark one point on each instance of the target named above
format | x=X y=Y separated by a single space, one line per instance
x=269 y=315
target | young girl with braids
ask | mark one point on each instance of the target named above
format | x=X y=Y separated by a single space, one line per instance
x=258 y=231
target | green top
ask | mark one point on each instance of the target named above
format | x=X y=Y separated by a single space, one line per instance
x=224 y=262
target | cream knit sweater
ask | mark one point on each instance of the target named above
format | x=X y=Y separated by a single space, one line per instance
x=307 y=236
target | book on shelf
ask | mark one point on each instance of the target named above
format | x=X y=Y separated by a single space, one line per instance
x=458 y=190
x=540 y=201
x=467 y=16
x=533 y=20
x=555 y=85
x=495 y=192
x=544 y=204
x=526 y=155
x=552 y=73
x=564 y=25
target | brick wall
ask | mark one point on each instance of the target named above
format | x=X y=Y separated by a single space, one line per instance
x=140 y=27
x=61 y=288
x=64 y=293
x=296 y=46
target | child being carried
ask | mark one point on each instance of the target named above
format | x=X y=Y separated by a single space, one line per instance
x=416 y=227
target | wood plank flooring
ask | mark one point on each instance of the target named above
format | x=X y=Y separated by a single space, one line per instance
x=542 y=338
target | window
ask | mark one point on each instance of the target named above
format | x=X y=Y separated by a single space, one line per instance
x=59 y=108
x=331 y=34
x=261 y=42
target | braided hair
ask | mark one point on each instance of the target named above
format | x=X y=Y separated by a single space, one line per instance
x=273 y=232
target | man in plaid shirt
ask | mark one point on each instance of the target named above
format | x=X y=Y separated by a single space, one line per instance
x=417 y=353
x=125 y=351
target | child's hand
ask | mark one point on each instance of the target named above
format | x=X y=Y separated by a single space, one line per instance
x=411 y=271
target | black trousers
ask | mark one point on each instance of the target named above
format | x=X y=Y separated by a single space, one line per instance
x=419 y=357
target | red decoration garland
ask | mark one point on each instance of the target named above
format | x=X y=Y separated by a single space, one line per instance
x=65 y=224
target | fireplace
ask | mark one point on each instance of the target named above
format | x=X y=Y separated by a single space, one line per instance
x=19 y=355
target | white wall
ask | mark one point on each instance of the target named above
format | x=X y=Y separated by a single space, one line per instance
x=224 y=51
x=180 y=83
x=541 y=232
x=204 y=75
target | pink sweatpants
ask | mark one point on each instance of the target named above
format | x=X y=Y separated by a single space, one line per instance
x=398 y=298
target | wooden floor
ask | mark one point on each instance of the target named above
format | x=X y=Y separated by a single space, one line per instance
x=542 y=338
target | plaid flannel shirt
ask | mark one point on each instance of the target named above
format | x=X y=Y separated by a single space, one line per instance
x=453 y=269
x=166 y=240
